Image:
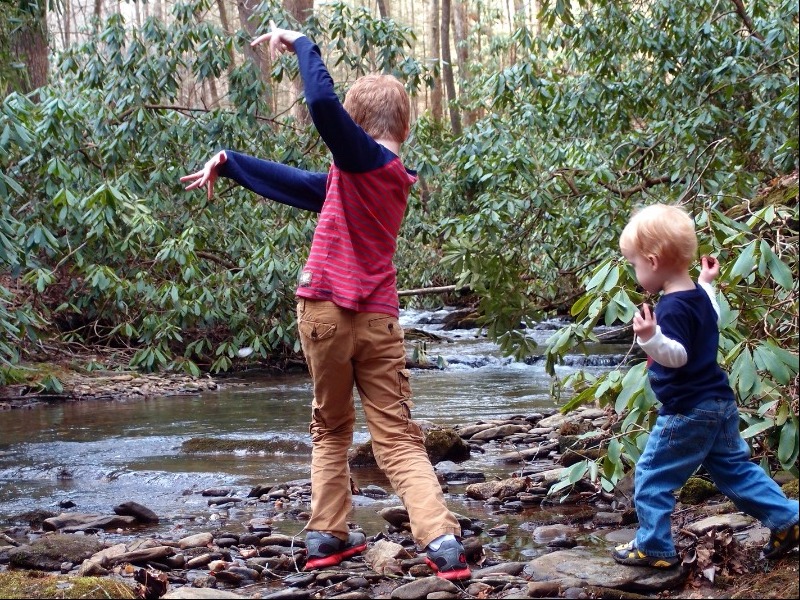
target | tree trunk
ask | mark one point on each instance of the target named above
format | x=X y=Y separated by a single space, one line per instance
x=66 y=15
x=383 y=9
x=226 y=27
x=447 y=70
x=436 y=56
x=260 y=58
x=97 y=15
x=29 y=44
x=300 y=10
x=520 y=16
x=462 y=51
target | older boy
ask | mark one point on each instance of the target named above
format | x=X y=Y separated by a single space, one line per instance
x=348 y=306
x=698 y=422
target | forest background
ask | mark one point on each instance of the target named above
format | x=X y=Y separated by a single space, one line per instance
x=539 y=127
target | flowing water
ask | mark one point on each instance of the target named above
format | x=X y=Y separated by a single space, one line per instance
x=97 y=454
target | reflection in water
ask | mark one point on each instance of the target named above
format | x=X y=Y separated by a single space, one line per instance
x=98 y=454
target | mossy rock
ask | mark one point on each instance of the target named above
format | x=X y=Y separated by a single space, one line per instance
x=35 y=584
x=790 y=489
x=440 y=444
x=49 y=552
x=207 y=445
x=697 y=490
x=446 y=444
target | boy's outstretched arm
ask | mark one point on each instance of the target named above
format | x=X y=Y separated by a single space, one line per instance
x=282 y=183
x=353 y=150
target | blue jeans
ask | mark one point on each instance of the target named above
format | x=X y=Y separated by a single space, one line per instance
x=708 y=434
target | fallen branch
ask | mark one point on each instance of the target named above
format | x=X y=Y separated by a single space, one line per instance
x=435 y=290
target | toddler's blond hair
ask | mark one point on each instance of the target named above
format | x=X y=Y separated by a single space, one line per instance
x=664 y=231
x=381 y=106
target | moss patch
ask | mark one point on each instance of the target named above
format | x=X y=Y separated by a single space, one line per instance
x=697 y=490
x=790 y=489
x=34 y=584
x=209 y=445
x=50 y=551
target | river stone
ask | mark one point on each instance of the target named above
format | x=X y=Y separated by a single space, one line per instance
x=423 y=588
x=578 y=567
x=734 y=521
x=48 y=552
x=195 y=541
x=191 y=593
x=467 y=431
x=499 y=489
x=545 y=534
x=555 y=421
x=497 y=433
x=383 y=554
x=506 y=568
x=134 y=509
x=289 y=594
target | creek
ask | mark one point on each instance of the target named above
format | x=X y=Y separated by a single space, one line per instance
x=92 y=455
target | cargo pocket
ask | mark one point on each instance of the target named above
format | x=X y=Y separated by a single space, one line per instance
x=403 y=377
x=316 y=331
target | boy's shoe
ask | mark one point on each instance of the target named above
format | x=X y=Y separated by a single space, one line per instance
x=629 y=554
x=449 y=561
x=780 y=542
x=326 y=550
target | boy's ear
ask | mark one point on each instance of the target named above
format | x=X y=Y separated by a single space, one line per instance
x=652 y=259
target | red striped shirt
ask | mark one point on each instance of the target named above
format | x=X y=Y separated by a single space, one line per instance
x=351 y=259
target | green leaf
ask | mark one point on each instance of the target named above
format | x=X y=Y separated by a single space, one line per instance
x=757 y=428
x=745 y=263
x=788 y=445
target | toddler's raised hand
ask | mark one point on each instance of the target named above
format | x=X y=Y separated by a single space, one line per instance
x=644 y=323
x=709 y=269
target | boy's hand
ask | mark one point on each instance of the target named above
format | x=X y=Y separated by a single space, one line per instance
x=208 y=175
x=644 y=323
x=709 y=269
x=280 y=40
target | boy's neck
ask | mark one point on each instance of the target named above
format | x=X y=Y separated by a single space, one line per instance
x=390 y=145
x=679 y=281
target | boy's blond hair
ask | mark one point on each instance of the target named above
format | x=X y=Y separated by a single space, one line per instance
x=380 y=105
x=663 y=231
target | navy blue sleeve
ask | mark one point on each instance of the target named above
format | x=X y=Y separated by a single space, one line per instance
x=352 y=148
x=282 y=183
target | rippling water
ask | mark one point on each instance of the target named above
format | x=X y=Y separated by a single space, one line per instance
x=98 y=454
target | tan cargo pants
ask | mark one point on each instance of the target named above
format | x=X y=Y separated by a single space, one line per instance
x=342 y=348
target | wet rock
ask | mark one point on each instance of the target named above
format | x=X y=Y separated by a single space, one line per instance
x=507 y=568
x=191 y=593
x=195 y=541
x=696 y=490
x=579 y=567
x=288 y=594
x=441 y=444
x=50 y=551
x=450 y=472
x=385 y=556
x=497 y=489
x=530 y=453
x=136 y=510
x=423 y=588
x=446 y=444
x=142 y=555
x=734 y=522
